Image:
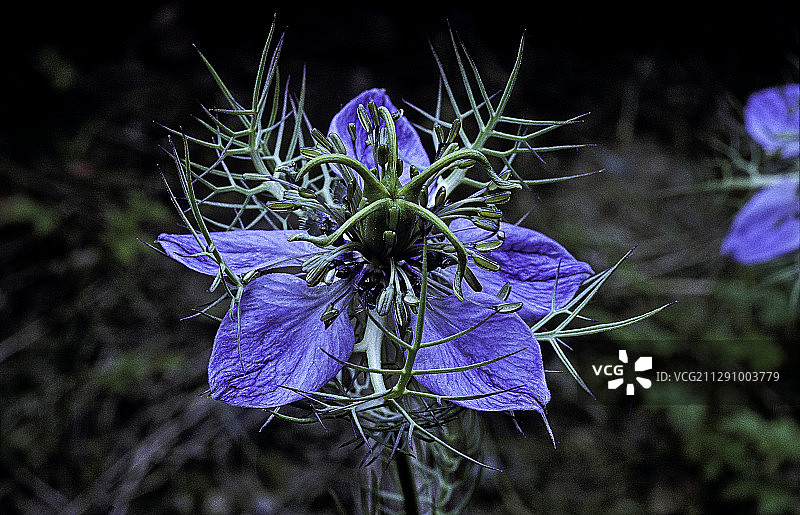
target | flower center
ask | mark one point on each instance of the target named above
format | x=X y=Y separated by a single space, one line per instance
x=387 y=222
x=390 y=232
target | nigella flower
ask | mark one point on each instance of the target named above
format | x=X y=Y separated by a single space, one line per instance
x=772 y=118
x=362 y=254
x=767 y=226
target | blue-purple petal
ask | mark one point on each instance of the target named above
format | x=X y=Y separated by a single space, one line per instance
x=772 y=118
x=516 y=382
x=410 y=147
x=278 y=346
x=538 y=268
x=243 y=251
x=767 y=226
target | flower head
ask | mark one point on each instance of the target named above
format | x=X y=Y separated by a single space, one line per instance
x=392 y=250
x=772 y=118
x=767 y=226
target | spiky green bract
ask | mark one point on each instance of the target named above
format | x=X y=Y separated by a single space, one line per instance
x=481 y=123
x=250 y=149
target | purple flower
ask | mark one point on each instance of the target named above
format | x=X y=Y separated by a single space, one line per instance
x=291 y=330
x=772 y=119
x=767 y=226
x=541 y=271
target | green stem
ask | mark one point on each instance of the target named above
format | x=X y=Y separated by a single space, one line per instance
x=408 y=486
x=373 y=341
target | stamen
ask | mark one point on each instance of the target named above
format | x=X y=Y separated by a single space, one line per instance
x=500 y=197
x=486 y=264
x=363 y=117
x=487 y=224
x=504 y=291
x=329 y=315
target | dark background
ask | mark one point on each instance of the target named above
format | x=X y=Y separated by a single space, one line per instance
x=100 y=379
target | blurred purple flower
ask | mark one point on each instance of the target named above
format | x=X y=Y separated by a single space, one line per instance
x=767 y=226
x=282 y=338
x=772 y=119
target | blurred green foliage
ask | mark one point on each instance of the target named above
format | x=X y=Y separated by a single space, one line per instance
x=21 y=209
x=101 y=382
